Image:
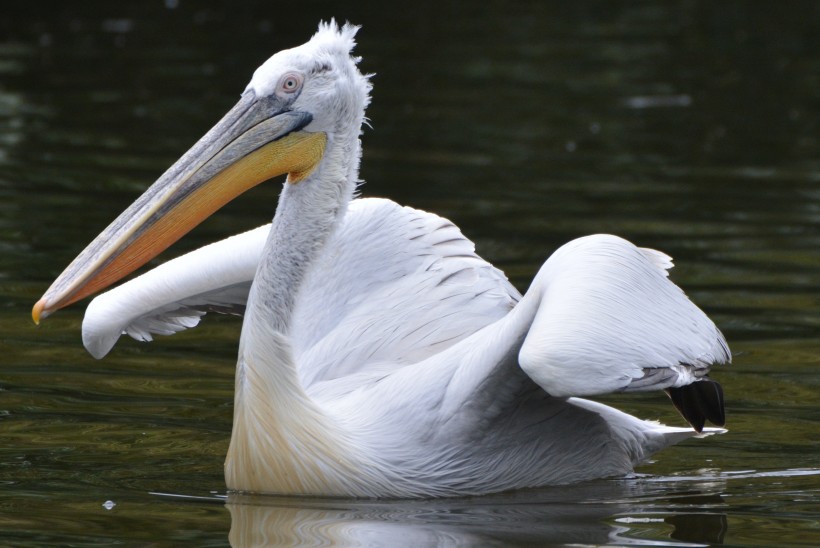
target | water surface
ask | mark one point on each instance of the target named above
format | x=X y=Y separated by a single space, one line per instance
x=687 y=127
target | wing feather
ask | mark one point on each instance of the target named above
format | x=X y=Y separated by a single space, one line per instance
x=393 y=285
x=610 y=320
x=175 y=295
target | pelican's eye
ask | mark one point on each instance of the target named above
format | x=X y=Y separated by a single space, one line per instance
x=290 y=83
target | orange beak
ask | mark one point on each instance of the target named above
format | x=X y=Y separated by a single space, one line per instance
x=255 y=141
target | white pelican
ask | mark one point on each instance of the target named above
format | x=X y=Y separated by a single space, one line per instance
x=379 y=355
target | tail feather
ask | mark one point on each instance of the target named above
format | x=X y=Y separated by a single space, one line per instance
x=699 y=402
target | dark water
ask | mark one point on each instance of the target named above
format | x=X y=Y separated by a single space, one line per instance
x=686 y=126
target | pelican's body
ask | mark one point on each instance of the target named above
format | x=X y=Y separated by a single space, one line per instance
x=380 y=356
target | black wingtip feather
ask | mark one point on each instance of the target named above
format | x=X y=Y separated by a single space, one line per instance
x=698 y=402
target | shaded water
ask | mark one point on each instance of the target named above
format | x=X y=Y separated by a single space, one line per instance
x=683 y=126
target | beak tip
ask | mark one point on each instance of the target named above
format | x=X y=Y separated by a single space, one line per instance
x=38 y=311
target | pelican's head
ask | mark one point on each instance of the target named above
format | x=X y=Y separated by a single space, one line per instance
x=319 y=77
x=297 y=103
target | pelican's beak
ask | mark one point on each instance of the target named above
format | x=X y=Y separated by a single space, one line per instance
x=256 y=140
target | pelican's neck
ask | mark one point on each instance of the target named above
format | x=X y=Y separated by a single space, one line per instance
x=282 y=441
x=308 y=213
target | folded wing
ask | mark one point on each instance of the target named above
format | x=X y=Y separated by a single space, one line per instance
x=610 y=320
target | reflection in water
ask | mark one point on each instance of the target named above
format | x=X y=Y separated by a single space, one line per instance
x=592 y=513
x=698 y=528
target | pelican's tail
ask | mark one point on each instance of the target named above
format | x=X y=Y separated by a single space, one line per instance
x=640 y=439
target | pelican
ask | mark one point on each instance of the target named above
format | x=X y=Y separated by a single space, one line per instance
x=380 y=356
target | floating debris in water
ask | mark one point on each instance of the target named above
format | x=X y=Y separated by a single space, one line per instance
x=639 y=520
x=109 y=504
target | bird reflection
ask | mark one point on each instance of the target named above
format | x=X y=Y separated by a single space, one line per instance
x=601 y=512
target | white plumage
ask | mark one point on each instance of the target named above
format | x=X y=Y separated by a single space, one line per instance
x=380 y=356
